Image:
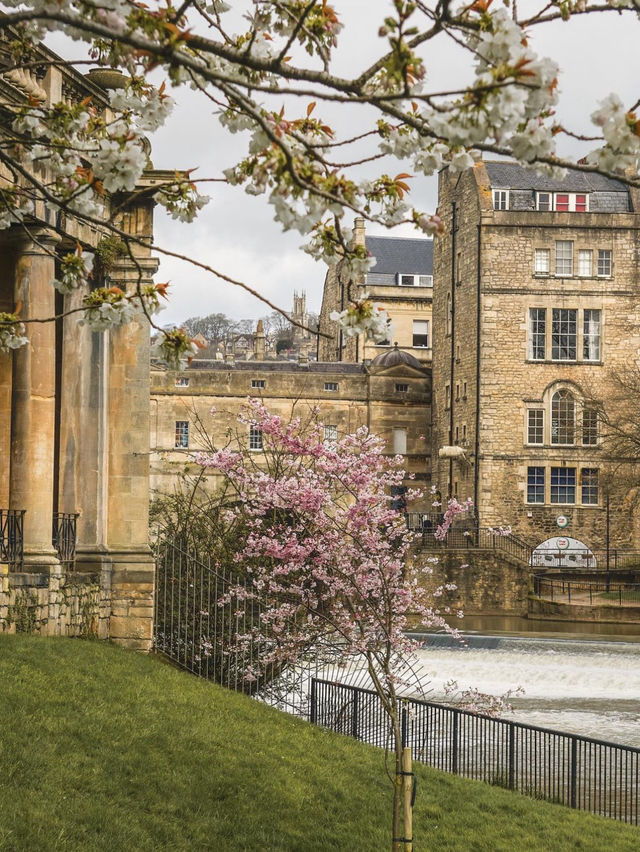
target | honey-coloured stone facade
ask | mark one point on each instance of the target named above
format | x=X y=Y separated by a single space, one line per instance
x=534 y=306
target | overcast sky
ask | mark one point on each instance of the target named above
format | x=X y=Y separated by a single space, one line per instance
x=236 y=233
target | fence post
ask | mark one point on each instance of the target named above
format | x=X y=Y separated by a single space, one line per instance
x=574 y=771
x=512 y=755
x=313 y=711
x=454 y=743
x=354 y=716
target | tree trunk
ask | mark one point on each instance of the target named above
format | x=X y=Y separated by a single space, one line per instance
x=397 y=845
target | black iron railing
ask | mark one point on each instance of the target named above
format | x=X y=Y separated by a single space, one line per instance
x=12 y=538
x=485 y=538
x=580 y=772
x=64 y=538
x=206 y=623
x=587 y=559
x=602 y=591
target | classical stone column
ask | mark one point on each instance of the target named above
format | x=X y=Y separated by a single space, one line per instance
x=127 y=494
x=33 y=403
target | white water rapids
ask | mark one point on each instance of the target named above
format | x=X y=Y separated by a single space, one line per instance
x=587 y=687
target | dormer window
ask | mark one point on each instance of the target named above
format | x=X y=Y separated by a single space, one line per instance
x=562 y=202
x=500 y=199
x=406 y=280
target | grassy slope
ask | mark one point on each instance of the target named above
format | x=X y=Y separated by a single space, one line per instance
x=103 y=749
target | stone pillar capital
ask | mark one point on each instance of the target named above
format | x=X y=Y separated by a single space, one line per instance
x=32 y=240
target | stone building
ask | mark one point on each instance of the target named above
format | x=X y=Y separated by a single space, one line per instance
x=74 y=415
x=401 y=281
x=536 y=304
x=391 y=396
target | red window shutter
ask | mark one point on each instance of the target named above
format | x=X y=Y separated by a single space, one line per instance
x=562 y=203
x=581 y=203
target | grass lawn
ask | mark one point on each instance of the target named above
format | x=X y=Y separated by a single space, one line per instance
x=104 y=749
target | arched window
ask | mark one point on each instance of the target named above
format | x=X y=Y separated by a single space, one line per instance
x=563 y=417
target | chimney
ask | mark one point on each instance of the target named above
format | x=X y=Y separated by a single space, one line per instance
x=258 y=342
x=358 y=231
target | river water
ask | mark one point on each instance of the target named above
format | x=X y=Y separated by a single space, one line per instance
x=576 y=682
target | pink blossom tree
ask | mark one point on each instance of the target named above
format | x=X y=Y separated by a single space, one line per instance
x=329 y=555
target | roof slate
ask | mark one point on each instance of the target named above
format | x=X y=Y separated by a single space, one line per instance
x=397 y=254
x=336 y=367
x=505 y=175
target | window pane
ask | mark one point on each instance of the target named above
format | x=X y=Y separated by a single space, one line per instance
x=538 y=329
x=541 y=260
x=585 y=257
x=589 y=476
x=402 y=387
x=535 y=426
x=544 y=201
x=406 y=280
x=331 y=386
x=562 y=202
x=591 y=336
x=581 y=203
x=426 y=280
x=589 y=426
x=255 y=438
x=535 y=485
x=563 y=485
x=182 y=434
x=500 y=199
x=400 y=441
x=564 y=257
x=421 y=333
x=257 y=383
x=330 y=434
x=563 y=417
x=563 y=334
x=604 y=263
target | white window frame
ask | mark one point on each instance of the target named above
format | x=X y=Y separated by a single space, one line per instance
x=402 y=387
x=500 y=199
x=560 y=259
x=608 y=259
x=331 y=387
x=259 y=384
x=592 y=338
x=411 y=279
x=425 y=280
x=585 y=269
x=181 y=438
x=255 y=439
x=551 y=199
x=534 y=414
x=542 y=261
x=330 y=434
x=399 y=441
x=424 y=325
x=537 y=335
x=181 y=382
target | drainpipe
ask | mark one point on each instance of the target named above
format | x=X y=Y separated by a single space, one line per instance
x=476 y=487
x=453 y=338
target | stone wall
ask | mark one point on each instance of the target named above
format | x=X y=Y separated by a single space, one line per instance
x=554 y=611
x=53 y=604
x=488 y=583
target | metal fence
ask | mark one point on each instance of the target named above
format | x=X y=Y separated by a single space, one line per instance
x=201 y=610
x=12 y=538
x=599 y=592
x=484 y=538
x=580 y=772
x=64 y=537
